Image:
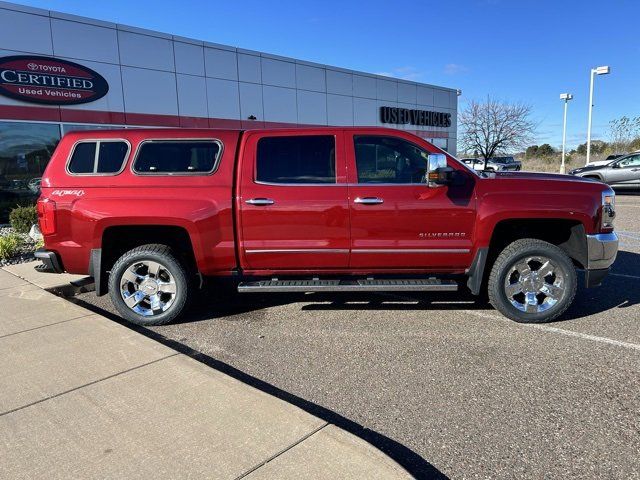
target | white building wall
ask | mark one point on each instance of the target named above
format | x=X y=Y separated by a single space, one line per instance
x=152 y=73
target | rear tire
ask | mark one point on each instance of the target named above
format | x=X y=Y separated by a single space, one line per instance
x=532 y=281
x=149 y=286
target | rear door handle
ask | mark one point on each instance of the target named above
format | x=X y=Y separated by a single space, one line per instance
x=368 y=200
x=260 y=201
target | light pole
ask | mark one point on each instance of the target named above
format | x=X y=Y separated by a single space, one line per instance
x=566 y=97
x=604 y=70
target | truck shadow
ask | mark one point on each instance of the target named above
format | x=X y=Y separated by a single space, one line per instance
x=217 y=301
x=619 y=290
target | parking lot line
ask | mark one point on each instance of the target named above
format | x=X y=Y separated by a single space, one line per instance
x=623 y=275
x=547 y=328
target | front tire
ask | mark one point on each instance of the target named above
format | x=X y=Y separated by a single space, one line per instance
x=149 y=286
x=532 y=281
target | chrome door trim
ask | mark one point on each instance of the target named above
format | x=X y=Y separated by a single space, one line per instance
x=410 y=250
x=300 y=250
x=274 y=184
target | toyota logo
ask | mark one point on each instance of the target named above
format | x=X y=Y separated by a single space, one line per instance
x=32 y=66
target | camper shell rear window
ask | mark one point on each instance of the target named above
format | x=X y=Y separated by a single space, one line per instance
x=98 y=157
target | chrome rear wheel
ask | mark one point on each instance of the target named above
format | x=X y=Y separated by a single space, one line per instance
x=148 y=288
x=148 y=285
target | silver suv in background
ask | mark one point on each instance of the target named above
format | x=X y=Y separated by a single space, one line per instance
x=623 y=172
x=507 y=163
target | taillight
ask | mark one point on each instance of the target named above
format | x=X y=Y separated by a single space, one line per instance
x=47 y=216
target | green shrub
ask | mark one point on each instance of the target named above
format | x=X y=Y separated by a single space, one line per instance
x=22 y=218
x=9 y=246
x=7 y=205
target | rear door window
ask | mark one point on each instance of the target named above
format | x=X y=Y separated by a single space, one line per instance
x=304 y=159
x=98 y=157
x=178 y=157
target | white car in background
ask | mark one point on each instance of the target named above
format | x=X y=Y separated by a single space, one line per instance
x=478 y=165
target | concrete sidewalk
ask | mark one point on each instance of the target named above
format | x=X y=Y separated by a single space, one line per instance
x=84 y=397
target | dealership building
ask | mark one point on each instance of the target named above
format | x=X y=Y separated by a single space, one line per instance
x=61 y=72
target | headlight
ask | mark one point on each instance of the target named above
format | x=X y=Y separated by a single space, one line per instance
x=608 y=211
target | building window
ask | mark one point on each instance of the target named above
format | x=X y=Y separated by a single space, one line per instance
x=296 y=159
x=441 y=143
x=178 y=157
x=389 y=160
x=25 y=150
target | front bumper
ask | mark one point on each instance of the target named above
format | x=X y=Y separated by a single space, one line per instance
x=602 y=250
x=50 y=261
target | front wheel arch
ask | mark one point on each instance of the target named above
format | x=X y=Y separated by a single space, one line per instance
x=569 y=235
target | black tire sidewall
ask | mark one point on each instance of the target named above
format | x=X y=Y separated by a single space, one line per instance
x=499 y=296
x=175 y=268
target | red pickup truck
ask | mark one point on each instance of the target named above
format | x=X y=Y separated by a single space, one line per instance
x=149 y=212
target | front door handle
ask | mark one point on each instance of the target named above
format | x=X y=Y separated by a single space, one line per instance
x=369 y=200
x=259 y=202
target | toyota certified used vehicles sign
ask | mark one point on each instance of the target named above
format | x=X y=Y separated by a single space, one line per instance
x=49 y=81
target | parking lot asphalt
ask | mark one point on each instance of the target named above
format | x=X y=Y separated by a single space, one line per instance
x=442 y=382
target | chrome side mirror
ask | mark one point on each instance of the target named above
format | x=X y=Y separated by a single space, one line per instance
x=438 y=174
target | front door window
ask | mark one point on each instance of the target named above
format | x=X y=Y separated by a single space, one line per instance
x=389 y=160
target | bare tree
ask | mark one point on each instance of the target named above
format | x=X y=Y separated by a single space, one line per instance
x=493 y=127
x=623 y=131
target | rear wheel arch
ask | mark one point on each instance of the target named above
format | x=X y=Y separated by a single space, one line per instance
x=119 y=239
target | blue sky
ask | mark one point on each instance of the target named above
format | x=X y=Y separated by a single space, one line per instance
x=527 y=51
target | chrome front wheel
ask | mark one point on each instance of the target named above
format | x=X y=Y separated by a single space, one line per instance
x=534 y=284
x=532 y=281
